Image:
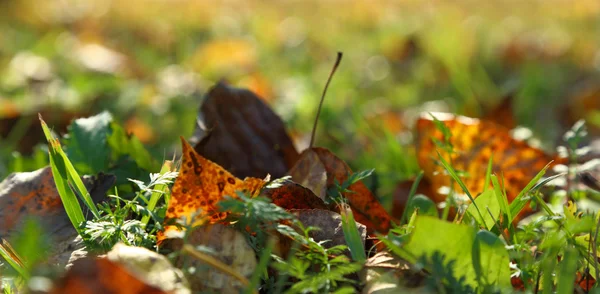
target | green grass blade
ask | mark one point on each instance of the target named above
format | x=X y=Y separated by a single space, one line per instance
x=76 y=182
x=456 y=178
x=504 y=208
x=520 y=201
x=411 y=194
x=567 y=270
x=13 y=259
x=548 y=270
x=261 y=268
x=67 y=196
x=60 y=175
x=352 y=236
x=488 y=173
x=68 y=173
x=160 y=191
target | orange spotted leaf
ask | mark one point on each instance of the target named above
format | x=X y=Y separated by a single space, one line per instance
x=473 y=141
x=201 y=184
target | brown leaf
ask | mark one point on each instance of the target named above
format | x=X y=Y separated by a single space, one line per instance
x=310 y=173
x=151 y=267
x=366 y=208
x=100 y=275
x=290 y=195
x=34 y=194
x=229 y=246
x=329 y=224
x=241 y=133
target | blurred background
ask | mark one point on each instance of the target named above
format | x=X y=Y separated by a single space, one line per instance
x=534 y=64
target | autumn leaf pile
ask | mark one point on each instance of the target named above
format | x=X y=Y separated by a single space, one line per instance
x=457 y=226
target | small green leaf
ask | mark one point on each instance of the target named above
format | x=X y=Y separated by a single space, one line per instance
x=86 y=143
x=423 y=205
x=486 y=200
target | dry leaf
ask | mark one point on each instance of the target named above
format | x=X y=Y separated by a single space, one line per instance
x=238 y=131
x=474 y=141
x=201 y=184
x=100 y=275
x=228 y=246
x=309 y=172
x=151 y=267
x=290 y=195
x=329 y=224
x=34 y=194
x=366 y=208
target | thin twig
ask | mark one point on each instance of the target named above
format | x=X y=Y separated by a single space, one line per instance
x=314 y=130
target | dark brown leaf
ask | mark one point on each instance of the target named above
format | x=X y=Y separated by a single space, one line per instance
x=238 y=131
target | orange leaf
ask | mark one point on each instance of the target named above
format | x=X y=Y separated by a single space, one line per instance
x=100 y=275
x=474 y=141
x=201 y=184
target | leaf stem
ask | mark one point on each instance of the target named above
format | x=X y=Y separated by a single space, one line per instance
x=314 y=130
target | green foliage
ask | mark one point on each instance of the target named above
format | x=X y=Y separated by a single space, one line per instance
x=334 y=193
x=67 y=180
x=86 y=143
x=98 y=144
x=119 y=220
x=351 y=235
x=488 y=202
x=312 y=266
x=474 y=257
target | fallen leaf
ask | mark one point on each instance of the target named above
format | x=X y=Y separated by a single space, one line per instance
x=100 y=275
x=238 y=131
x=151 y=267
x=329 y=224
x=383 y=273
x=290 y=195
x=201 y=184
x=34 y=194
x=366 y=208
x=474 y=141
x=309 y=172
x=226 y=245
x=585 y=281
